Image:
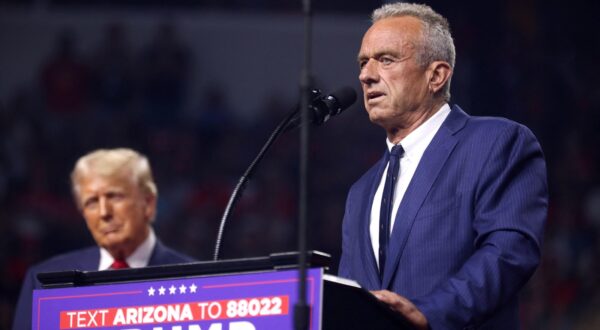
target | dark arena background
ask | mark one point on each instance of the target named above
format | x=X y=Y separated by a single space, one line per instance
x=198 y=85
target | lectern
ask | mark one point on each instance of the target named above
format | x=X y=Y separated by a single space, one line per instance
x=236 y=294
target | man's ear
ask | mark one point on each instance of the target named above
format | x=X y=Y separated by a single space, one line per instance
x=440 y=72
x=150 y=207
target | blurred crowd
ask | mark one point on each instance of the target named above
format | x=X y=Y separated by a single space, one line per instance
x=523 y=60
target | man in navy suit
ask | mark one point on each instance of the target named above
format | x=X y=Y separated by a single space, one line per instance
x=116 y=194
x=447 y=227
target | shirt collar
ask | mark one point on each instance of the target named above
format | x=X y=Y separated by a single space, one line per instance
x=139 y=258
x=415 y=143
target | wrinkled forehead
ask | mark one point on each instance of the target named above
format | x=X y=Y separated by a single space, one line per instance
x=91 y=182
x=391 y=35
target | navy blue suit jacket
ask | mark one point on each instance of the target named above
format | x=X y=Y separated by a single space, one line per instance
x=468 y=232
x=84 y=259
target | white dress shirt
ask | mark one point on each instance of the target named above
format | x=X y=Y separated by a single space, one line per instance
x=139 y=258
x=414 y=145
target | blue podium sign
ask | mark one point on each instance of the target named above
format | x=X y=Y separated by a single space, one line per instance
x=251 y=301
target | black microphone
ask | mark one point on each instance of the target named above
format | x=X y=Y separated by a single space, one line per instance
x=332 y=105
x=323 y=107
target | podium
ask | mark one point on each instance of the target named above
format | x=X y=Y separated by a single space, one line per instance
x=236 y=294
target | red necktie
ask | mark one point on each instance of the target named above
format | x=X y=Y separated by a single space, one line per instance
x=119 y=264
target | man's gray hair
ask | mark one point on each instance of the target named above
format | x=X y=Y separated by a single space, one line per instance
x=436 y=42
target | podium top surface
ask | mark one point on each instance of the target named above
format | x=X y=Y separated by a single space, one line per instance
x=274 y=261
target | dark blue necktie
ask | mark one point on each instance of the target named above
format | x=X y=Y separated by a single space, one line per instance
x=387 y=201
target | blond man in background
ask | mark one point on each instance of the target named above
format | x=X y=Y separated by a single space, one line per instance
x=115 y=192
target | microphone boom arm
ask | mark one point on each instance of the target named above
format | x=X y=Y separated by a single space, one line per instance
x=239 y=188
x=321 y=108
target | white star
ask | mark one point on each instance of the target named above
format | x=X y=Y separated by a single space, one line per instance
x=172 y=289
x=182 y=289
x=151 y=291
x=161 y=290
x=193 y=288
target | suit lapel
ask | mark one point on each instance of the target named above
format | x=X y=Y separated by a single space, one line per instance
x=368 y=255
x=89 y=259
x=157 y=256
x=427 y=172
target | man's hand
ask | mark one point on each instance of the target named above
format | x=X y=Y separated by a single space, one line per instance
x=404 y=307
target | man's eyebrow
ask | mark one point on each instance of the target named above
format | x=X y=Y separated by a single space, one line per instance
x=87 y=199
x=390 y=51
x=362 y=57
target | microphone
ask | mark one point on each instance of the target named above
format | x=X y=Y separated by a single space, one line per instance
x=322 y=108
x=332 y=104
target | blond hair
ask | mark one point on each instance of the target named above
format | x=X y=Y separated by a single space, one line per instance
x=109 y=162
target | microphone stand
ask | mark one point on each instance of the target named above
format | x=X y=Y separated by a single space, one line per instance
x=289 y=122
x=283 y=126
x=302 y=309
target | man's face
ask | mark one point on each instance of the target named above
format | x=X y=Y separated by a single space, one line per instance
x=394 y=85
x=116 y=210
